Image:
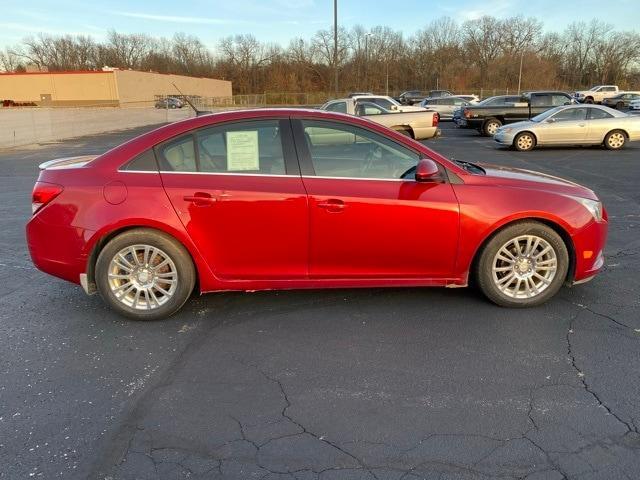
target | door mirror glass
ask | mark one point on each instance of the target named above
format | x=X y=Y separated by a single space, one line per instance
x=427 y=171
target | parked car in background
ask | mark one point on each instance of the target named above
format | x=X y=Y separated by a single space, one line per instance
x=572 y=125
x=411 y=97
x=445 y=106
x=621 y=100
x=472 y=98
x=596 y=94
x=419 y=125
x=294 y=198
x=634 y=106
x=356 y=94
x=169 y=102
x=488 y=118
x=497 y=101
x=439 y=93
x=386 y=102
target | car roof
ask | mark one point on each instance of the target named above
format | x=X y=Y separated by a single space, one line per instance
x=612 y=111
x=116 y=156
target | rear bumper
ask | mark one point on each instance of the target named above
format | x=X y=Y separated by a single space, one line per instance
x=57 y=250
x=589 y=244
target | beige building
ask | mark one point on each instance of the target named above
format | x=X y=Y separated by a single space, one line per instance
x=124 y=88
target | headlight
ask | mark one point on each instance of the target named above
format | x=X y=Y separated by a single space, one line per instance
x=594 y=207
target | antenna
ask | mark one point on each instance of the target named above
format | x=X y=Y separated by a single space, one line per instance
x=186 y=99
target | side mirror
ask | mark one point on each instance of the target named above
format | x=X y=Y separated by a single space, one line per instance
x=394 y=107
x=427 y=171
x=551 y=120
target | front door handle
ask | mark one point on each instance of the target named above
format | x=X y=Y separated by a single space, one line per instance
x=581 y=125
x=332 y=205
x=200 y=199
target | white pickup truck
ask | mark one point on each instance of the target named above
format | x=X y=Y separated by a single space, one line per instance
x=596 y=94
x=419 y=125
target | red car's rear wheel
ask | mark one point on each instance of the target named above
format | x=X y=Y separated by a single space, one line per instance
x=144 y=274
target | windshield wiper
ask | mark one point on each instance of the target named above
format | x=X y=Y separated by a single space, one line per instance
x=471 y=167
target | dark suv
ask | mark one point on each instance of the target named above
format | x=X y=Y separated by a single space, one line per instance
x=487 y=119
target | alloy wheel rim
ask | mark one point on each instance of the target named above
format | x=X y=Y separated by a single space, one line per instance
x=142 y=277
x=525 y=142
x=616 y=140
x=524 y=267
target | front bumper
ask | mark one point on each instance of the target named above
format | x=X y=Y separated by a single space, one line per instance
x=503 y=138
x=589 y=244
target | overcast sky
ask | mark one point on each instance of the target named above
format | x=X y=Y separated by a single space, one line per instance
x=281 y=20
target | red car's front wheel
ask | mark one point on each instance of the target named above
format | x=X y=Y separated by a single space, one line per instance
x=523 y=265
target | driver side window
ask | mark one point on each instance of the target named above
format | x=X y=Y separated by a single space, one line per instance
x=345 y=151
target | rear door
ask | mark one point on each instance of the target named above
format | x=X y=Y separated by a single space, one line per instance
x=237 y=189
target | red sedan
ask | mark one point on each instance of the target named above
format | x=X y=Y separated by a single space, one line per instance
x=281 y=199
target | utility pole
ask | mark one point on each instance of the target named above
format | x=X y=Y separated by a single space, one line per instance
x=520 y=74
x=335 y=44
x=366 y=60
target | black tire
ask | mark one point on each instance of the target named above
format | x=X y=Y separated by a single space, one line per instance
x=484 y=275
x=619 y=105
x=588 y=100
x=615 y=140
x=524 y=142
x=185 y=271
x=490 y=126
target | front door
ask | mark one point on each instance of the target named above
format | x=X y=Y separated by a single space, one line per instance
x=368 y=217
x=567 y=126
x=237 y=189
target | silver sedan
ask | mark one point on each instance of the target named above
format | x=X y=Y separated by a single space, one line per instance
x=572 y=125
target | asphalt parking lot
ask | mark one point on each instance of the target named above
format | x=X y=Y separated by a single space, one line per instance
x=341 y=384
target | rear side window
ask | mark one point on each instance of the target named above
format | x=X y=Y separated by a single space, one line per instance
x=144 y=162
x=252 y=147
x=178 y=155
x=596 y=114
x=245 y=147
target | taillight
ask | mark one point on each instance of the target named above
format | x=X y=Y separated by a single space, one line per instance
x=43 y=193
x=436 y=119
x=466 y=113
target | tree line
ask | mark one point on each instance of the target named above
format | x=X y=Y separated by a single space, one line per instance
x=480 y=53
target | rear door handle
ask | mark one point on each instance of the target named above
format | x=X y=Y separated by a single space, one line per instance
x=332 y=205
x=200 y=199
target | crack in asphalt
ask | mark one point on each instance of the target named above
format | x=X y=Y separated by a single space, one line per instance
x=630 y=428
x=304 y=429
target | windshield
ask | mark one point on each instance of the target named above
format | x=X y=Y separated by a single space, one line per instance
x=545 y=115
x=594 y=89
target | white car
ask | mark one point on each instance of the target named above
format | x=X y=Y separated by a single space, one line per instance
x=634 y=106
x=596 y=94
x=387 y=103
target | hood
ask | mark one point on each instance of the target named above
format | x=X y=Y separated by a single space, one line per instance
x=522 y=124
x=517 y=177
